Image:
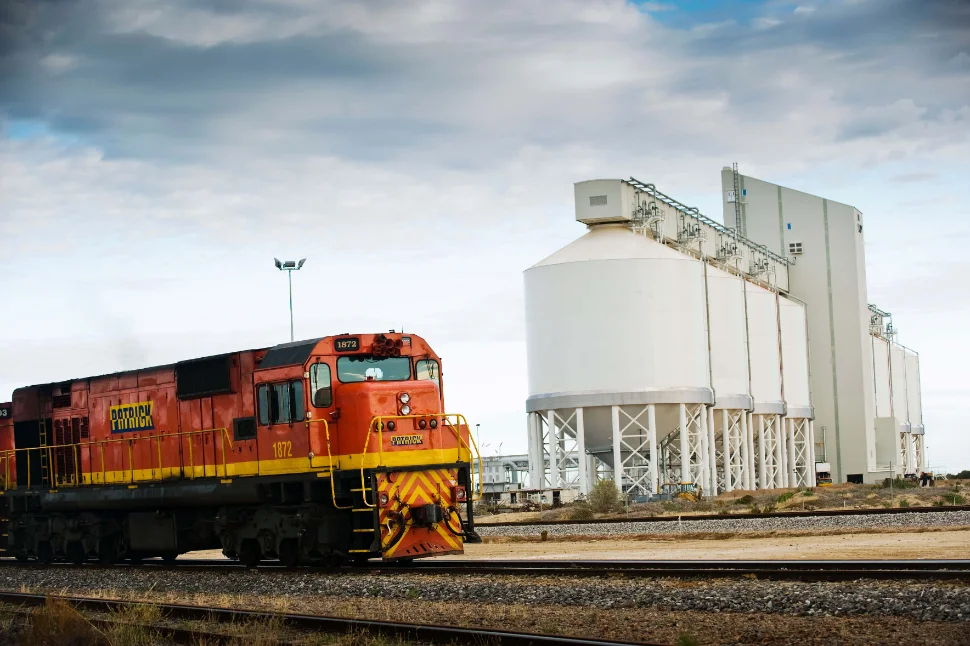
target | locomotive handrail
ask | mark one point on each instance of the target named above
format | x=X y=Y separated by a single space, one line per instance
x=333 y=490
x=377 y=424
x=76 y=479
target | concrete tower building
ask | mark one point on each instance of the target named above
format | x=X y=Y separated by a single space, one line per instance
x=826 y=241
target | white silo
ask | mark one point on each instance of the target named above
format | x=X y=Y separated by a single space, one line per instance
x=727 y=423
x=917 y=455
x=617 y=352
x=798 y=424
x=764 y=348
x=897 y=375
x=882 y=388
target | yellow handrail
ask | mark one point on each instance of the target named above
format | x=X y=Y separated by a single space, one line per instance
x=446 y=420
x=333 y=490
x=77 y=447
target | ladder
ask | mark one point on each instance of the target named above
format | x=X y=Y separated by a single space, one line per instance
x=44 y=466
x=364 y=520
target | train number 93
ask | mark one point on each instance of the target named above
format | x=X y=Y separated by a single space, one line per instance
x=283 y=449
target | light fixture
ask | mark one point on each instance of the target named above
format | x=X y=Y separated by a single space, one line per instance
x=405 y=398
x=405 y=410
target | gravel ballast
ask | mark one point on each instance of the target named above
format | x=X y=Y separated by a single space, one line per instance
x=912 y=600
x=953 y=519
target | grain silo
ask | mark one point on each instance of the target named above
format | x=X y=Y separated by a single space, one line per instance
x=769 y=406
x=653 y=342
x=916 y=454
x=798 y=427
x=731 y=379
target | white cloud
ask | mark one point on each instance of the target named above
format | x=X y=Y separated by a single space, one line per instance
x=422 y=153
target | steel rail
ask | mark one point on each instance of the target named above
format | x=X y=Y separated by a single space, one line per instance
x=690 y=517
x=427 y=633
x=790 y=570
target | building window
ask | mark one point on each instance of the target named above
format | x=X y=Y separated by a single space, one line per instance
x=794 y=247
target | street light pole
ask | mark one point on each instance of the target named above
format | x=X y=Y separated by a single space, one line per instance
x=289 y=267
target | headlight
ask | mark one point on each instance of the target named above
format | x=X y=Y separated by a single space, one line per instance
x=405 y=410
x=405 y=398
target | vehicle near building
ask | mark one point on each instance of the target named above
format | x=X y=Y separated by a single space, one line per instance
x=318 y=451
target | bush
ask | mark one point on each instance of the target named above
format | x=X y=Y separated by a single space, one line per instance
x=669 y=505
x=904 y=503
x=768 y=509
x=605 y=498
x=898 y=483
x=744 y=500
x=808 y=492
x=953 y=499
x=963 y=475
x=544 y=535
x=581 y=511
x=785 y=497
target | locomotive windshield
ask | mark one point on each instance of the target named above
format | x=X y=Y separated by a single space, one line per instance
x=362 y=368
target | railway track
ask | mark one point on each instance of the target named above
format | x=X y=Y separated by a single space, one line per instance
x=313 y=624
x=784 y=570
x=686 y=517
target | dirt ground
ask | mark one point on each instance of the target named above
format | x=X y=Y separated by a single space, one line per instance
x=946 y=544
x=953 y=544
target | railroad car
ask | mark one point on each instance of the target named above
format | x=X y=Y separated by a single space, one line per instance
x=317 y=451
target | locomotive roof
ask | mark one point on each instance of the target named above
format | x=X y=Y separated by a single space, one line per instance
x=282 y=354
x=288 y=354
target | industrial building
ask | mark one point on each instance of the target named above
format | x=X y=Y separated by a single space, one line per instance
x=670 y=352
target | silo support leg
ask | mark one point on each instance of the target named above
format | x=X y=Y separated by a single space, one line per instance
x=684 y=447
x=762 y=455
x=711 y=450
x=792 y=478
x=652 y=439
x=727 y=442
x=617 y=454
x=581 y=453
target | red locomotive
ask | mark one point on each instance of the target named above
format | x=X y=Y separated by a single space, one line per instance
x=316 y=451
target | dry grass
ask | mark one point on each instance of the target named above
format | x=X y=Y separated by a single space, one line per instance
x=622 y=624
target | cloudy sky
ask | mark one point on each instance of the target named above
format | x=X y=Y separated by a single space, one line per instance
x=156 y=155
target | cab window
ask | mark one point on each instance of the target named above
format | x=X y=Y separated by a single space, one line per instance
x=363 y=368
x=427 y=369
x=280 y=403
x=321 y=393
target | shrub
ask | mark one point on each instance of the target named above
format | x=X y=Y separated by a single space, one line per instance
x=744 y=500
x=808 y=492
x=685 y=639
x=669 y=505
x=953 y=499
x=904 y=503
x=785 y=497
x=604 y=497
x=581 y=511
x=544 y=535
x=897 y=483
x=768 y=509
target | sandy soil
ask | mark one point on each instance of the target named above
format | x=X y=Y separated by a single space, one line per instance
x=912 y=545
x=947 y=544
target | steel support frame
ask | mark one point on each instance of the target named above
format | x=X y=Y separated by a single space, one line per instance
x=733 y=455
x=635 y=466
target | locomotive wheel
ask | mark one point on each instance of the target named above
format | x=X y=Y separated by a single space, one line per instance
x=169 y=557
x=107 y=552
x=45 y=553
x=75 y=553
x=289 y=552
x=21 y=557
x=249 y=552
